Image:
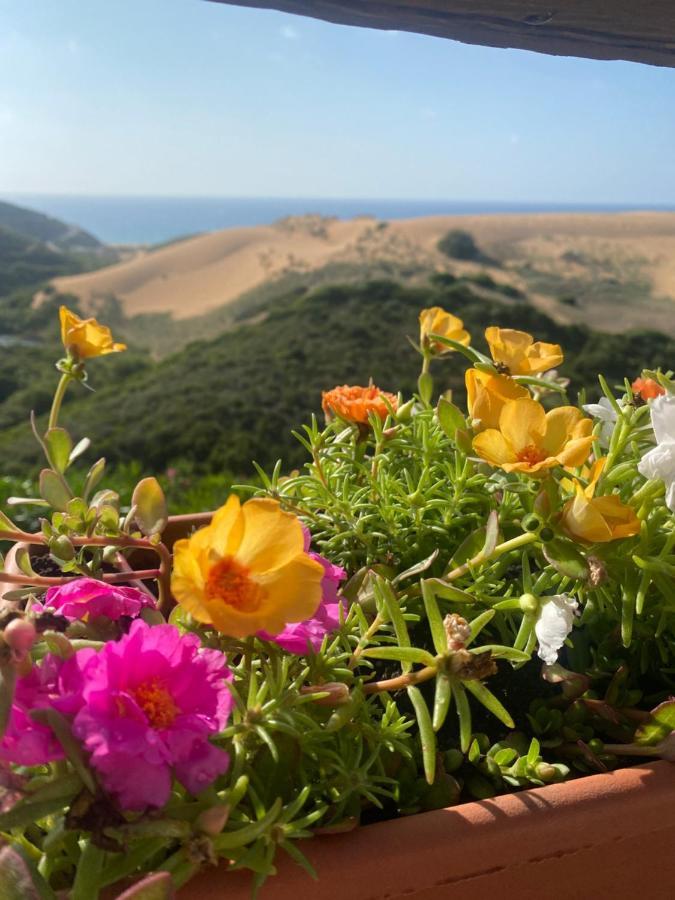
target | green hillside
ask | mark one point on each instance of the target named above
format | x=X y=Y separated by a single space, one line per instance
x=31 y=224
x=221 y=403
x=26 y=261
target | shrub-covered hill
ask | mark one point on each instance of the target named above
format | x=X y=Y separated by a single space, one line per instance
x=224 y=402
x=37 y=226
x=26 y=261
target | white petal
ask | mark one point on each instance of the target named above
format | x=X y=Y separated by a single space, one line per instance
x=663 y=418
x=602 y=410
x=554 y=625
x=659 y=463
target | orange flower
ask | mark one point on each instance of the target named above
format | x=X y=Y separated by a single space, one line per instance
x=647 y=388
x=519 y=353
x=531 y=441
x=354 y=404
x=486 y=395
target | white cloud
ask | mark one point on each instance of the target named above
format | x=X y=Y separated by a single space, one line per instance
x=289 y=33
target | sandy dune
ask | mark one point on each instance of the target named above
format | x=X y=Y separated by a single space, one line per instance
x=197 y=275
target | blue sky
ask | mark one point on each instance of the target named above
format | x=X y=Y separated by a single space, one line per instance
x=186 y=97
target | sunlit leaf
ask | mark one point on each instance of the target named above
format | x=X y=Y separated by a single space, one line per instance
x=150 y=503
x=59 y=445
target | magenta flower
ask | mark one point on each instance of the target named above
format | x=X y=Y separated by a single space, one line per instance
x=150 y=703
x=87 y=598
x=301 y=637
x=26 y=742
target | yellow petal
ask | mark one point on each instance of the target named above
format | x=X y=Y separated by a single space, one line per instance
x=575 y=452
x=560 y=427
x=581 y=518
x=541 y=357
x=620 y=518
x=508 y=347
x=271 y=538
x=523 y=423
x=486 y=395
x=493 y=447
x=227 y=528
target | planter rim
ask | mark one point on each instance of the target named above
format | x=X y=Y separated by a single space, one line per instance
x=485 y=846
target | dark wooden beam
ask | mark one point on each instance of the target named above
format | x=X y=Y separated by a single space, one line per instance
x=636 y=30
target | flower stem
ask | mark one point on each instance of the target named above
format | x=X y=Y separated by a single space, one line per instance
x=59 y=394
x=401 y=681
x=527 y=537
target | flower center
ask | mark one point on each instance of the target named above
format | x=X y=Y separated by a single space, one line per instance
x=531 y=455
x=156 y=702
x=230 y=582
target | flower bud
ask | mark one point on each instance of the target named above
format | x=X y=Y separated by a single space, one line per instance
x=546 y=534
x=62 y=548
x=546 y=772
x=20 y=636
x=529 y=604
x=404 y=412
x=458 y=631
x=597 y=572
x=338 y=693
x=213 y=820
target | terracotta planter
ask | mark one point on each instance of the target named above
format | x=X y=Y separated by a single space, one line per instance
x=603 y=837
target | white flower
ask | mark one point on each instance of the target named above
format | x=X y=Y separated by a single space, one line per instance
x=660 y=462
x=554 y=625
x=605 y=412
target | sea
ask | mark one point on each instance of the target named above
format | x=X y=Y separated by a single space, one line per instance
x=153 y=220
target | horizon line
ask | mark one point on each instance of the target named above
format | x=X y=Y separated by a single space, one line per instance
x=344 y=199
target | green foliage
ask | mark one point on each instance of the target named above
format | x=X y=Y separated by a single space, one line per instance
x=39 y=227
x=220 y=403
x=458 y=244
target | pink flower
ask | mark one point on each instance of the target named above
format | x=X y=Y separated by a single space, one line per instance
x=87 y=598
x=150 y=702
x=301 y=637
x=26 y=742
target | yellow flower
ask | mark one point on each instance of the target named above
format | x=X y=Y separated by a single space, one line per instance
x=85 y=337
x=437 y=321
x=598 y=519
x=486 y=395
x=247 y=571
x=518 y=352
x=530 y=440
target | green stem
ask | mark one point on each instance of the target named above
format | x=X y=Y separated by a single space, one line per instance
x=527 y=537
x=59 y=394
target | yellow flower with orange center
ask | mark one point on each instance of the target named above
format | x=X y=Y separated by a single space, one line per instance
x=531 y=441
x=247 y=571
x=598 y=519
x=355 y=404
x=436 y=320
x=85 y=338
x=519 y=354
x=487 y=393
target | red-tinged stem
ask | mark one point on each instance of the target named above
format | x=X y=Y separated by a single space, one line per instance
x=108 y=577
x=401 y=681
x=162 y=574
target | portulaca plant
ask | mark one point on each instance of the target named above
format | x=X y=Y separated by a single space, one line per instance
x=445 y=604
